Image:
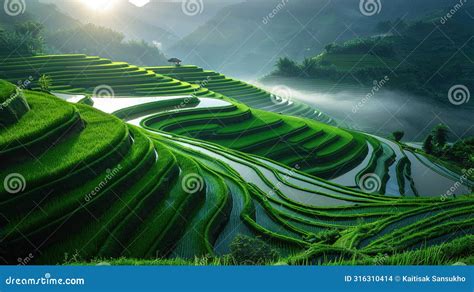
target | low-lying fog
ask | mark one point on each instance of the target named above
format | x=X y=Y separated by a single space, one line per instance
x=384 y=112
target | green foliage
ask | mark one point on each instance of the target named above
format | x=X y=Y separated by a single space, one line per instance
x=247 y=250
x=461 y=152
x=287 y=67
x=328 y=236
x=24 y=39
x=398 y=135
x=428 y=144
x=45 y=82
x=440 y=136
x=29 y=28
x=408 y=52
x=85 y=41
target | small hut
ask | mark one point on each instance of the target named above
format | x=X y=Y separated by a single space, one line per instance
x=175 y=61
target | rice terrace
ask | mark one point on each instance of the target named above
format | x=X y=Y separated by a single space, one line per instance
x=111 y=154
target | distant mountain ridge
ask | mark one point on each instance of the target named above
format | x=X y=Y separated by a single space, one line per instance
x=247 y=38
x=427 y=56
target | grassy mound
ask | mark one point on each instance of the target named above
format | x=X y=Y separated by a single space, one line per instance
x=12 y=104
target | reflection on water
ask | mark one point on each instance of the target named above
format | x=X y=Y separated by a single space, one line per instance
x=385 y=112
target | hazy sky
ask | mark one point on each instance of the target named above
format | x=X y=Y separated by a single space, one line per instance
x=166 y=14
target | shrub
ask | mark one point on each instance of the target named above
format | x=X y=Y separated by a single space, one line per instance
x=428 y=144
x=328 y=236
x=398 y=135
x=45 y=82
x=247 y=250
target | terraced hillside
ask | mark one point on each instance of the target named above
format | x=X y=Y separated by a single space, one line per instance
x=317 y=148
x=81 y=73
x=279 y=101
x=348 y=158
x=127 y=192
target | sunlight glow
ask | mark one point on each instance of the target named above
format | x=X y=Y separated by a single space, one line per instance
x=99 y=5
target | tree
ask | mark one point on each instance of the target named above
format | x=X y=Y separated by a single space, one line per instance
x=398 y=135
x=308 y=65
x=287 y=67
x=440 y=135
x=29 y=28
x=44 y=82
x=428 y=144
x=22 y=39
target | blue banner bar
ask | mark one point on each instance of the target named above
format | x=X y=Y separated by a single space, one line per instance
x=276 y=278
